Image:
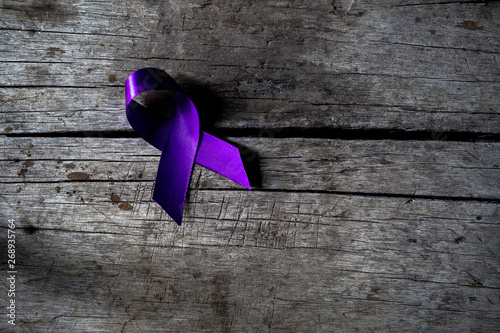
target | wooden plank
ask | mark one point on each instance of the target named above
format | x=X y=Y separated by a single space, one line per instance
x=230 y=23
x=302 y=65
x=337 y=235
x=42 y=110
x=406 y=168
x=239 y=261
x=260 y=219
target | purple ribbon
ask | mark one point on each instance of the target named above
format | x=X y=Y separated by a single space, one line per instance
x=180 y=139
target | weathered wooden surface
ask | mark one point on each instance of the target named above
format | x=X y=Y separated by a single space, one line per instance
x=254 y=261
x=359 y=231
x=346 y=64
x=406 y=168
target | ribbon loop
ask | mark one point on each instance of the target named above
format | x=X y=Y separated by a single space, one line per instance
x=180 y=139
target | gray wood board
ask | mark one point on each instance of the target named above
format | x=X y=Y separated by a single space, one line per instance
x=406 y=168
x=358 y=235
x=346 y=64
x=251 y=261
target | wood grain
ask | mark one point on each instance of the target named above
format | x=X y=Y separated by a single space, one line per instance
x=406 y=168
x=349 y=227
x=353 y=260
x=352 y=65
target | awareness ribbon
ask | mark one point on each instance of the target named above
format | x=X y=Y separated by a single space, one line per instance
x=180 y=139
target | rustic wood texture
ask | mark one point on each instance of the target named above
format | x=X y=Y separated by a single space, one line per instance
x=370 y=130
x=406 y=168
x=346 y=64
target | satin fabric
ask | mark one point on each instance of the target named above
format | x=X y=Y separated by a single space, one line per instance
x=180 y=139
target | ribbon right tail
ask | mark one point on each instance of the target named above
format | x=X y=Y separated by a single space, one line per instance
x=223 y=158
